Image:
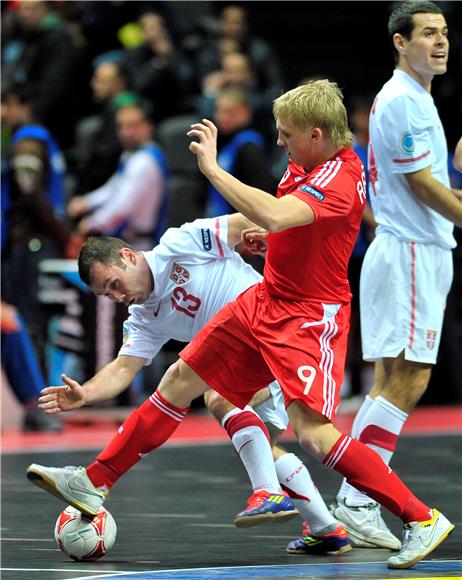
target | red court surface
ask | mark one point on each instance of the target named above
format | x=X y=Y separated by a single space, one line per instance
x=93 y=430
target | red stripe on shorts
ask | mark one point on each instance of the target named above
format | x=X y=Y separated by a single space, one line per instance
x=412 y=328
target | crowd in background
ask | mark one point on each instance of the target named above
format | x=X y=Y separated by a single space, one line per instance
x=96 y=101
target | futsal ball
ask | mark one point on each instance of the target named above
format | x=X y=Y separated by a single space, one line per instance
x=84 y=537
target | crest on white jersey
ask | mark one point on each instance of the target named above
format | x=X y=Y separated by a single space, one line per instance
x=179 y=274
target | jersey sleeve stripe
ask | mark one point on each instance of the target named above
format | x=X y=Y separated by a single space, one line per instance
x=412 y=159
x=321 y=172
x=330 y=177
x=217 y=237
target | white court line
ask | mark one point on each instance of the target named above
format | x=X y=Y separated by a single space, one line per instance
x=24 y=540
x=103 y=574
x=215 y=568
x=67 y=570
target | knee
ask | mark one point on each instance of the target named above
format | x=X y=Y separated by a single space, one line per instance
x=180 y=384
x=310 y=442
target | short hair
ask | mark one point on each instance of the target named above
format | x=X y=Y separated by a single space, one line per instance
x=25 y=93
x=103 y=249
x=131 y=100
x=401 y=21
x=317 y=103
x=235 y=93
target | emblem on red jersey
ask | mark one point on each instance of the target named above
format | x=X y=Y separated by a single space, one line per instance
x=179 y=274
x=431 y=339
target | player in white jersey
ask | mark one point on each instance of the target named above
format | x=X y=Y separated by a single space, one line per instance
x=407 y=270
x=172 y=292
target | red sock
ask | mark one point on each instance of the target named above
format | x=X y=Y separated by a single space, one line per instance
x=145 y=429
x=365 y=470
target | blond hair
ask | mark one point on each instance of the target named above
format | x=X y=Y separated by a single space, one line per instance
x=317 y=103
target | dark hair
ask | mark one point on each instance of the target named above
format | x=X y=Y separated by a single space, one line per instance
x=102 y=249
x=130 y=100
x=401 y=21
x=25 y=93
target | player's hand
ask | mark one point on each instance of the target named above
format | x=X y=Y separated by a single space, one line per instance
x=205 y=149
x=255 y=241
x=64 y=398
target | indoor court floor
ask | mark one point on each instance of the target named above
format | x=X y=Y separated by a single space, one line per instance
x=174 y=510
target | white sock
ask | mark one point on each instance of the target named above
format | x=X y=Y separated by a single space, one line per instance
x=380 y=430
x=296 y=480
x=356 y=428
x=253 y=447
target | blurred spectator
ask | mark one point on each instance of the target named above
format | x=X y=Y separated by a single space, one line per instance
x=233 y=35
x=97 y=148
x=17 y=120
x=22 y=369
x=241 y=149
x=236 y=71
x=34 y=231
x=131 y=204
x=41 y=52
x=155 y=67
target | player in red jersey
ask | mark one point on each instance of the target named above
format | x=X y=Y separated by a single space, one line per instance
x=291 y=327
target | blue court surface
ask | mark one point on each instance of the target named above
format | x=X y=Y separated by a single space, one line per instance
x=174 y=512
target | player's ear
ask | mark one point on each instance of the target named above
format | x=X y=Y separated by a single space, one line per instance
x=315 y=133
x=128 y=255
x=399 y=42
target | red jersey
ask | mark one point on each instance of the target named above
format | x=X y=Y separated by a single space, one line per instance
x=311 y=262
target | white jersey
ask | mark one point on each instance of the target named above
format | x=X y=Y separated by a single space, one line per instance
x=406 y=135
x=195 y=274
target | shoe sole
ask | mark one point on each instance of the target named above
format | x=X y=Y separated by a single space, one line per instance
x=343 y=550
x=411 y=563
x=268 y=518
x=47 y=484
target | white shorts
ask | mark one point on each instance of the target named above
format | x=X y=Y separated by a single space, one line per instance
x=273 y=409
x=403 y=291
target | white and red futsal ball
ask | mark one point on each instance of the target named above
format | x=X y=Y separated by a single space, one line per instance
x=84 y=537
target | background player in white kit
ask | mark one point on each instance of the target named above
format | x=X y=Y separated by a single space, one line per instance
x=172 y=292
x=407 y=270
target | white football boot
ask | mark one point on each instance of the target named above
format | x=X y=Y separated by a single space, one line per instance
x=421 y=538
x=365 y=526
x=70 y=484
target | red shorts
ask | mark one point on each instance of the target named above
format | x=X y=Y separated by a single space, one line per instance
x=258 y=338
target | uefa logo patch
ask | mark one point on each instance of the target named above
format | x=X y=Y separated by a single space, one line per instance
x=312 y=191
x=407 y=143
x=206 y=239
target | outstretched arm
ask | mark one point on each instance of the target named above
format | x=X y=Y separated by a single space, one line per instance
x=260 y=207
x=109 y=382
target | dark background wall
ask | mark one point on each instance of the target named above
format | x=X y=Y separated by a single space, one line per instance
x=348 y=42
